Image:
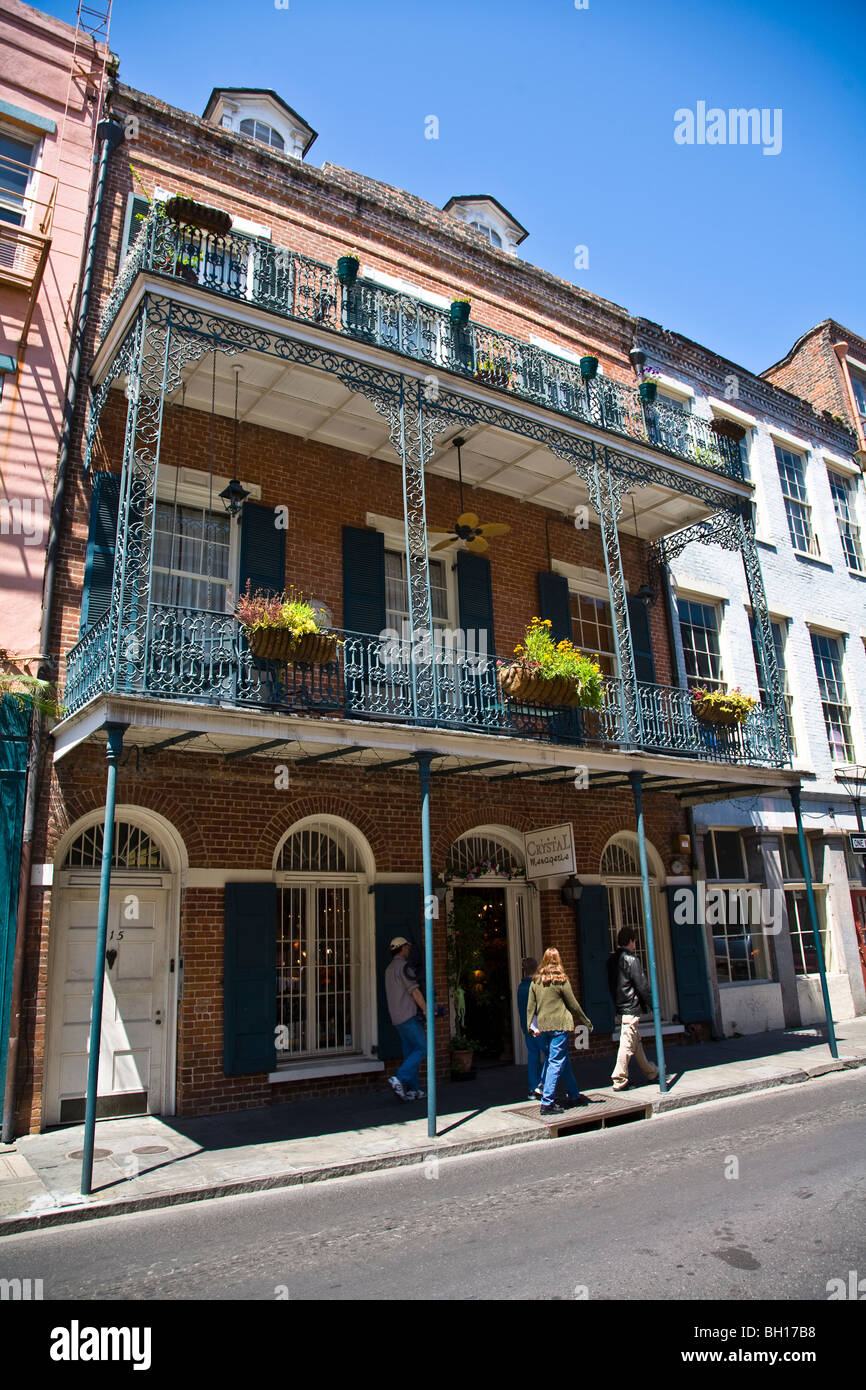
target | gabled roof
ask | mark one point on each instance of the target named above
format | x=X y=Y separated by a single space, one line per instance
x=260 y=92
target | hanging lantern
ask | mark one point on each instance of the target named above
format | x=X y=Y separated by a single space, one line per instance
x=234 y=496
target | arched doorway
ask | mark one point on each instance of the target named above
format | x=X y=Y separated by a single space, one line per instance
x=620 y=874
x=138 y=1038
x=325 y=959
x=488 y=894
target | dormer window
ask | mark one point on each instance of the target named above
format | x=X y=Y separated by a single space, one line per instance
x=487 y=216
x=494 y=238
x=265 y=134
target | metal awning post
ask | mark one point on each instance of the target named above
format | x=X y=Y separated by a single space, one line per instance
x=636 y=779
x=115 y=747
x=794 y=793
x=424 y=760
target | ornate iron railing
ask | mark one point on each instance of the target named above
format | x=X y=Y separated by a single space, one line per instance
x=295 y=287
x=205 y=658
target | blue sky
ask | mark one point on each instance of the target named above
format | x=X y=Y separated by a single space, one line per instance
x=567 y=117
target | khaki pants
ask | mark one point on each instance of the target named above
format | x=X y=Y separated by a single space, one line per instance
x=630 y=1045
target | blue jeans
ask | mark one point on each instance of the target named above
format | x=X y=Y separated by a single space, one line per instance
x=413 y=1040
x=558 y=1067
x=536 y=1060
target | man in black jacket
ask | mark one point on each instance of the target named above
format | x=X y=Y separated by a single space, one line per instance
x=631 y=995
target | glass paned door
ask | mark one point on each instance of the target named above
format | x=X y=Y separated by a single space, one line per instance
x=316 y=969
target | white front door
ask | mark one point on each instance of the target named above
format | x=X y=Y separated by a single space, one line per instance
x=134 y=1008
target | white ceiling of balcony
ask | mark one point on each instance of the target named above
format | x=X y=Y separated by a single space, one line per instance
x=317 y=407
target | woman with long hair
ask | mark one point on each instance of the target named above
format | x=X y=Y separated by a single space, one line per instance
x=550 y=1011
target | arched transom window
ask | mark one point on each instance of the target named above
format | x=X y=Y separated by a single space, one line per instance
x=264 y=133
x=474 y=856
x=133 y=848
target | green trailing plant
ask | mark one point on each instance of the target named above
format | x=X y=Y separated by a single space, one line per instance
x=460 y=1043
x=29 y=692
x=290 y=610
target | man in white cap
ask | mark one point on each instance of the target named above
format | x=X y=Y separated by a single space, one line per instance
x=404 y=1000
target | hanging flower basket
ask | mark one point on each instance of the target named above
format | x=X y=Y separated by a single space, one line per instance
x=192 y=214
x=460 y=310
x=648 y=391
x=588 y=367
x=721 y=706
x=280 y=644
x=531 y=689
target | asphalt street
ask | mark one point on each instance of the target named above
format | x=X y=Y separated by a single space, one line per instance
x=762 y=1197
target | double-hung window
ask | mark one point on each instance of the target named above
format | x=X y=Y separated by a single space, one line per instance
x=827 y=651
x=858 y=385
x=592 y=630
x=191 y=557
x=844 y=492
x=779 y=648
x=699 y=627
x=792 y=475
x=397 y=593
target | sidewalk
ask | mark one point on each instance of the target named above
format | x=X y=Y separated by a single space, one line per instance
x=145 y=1162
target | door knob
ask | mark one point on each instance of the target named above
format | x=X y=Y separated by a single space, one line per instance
x=158 y=1017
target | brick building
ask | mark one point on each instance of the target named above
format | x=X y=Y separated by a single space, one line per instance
x=269 y=839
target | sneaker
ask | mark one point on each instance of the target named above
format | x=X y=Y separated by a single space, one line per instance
x=416 y=1095
x=538 y=1093
x=620 y=1085
x=397 y=1084
x=551 y=1110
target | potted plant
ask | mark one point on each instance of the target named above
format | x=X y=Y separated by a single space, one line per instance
x=588 y=367
x=348 y=267
x=462 y=1055
x=28 y=692
x=460 y=310
x=648 y=385
x=721 y=706
x=549 y=673
x=284 y=627
x=189 y=213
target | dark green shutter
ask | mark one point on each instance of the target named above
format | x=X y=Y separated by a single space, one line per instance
x=138 y=213
x=594 y=952
x=399 y=912
x=101 y=541
x=263 y=550
x=475 y=599
x=690 y=961
x=250 y=978
x=14 y=738
x=641 y=640
x=555 y=604
x=363 y=580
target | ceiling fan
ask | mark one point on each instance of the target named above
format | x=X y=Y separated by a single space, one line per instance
x=468 y=528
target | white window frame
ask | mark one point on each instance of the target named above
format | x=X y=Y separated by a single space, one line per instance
x=805 y=502
x=193 y=490
x=36 y=141
x=851 y=489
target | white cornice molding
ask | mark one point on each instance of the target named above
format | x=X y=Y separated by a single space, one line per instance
x=732 y=412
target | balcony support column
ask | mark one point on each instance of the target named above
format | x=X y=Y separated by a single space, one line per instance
x=113 y=752
x=413 y=426
x=430 y=907
x=636 y=779
x=794 y=793
x=606 y=498
x=765 y=646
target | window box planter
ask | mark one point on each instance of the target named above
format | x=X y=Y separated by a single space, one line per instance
x=648 y=391
x=281 y=644
x=531 y=689
x=588 y=367
x=192 y=214
x=347 y=270
x=460 y=311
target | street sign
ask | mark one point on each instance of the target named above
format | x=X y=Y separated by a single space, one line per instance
x=549 y=852
x=857 y=841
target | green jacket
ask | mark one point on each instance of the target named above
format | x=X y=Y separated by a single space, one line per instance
x=555 y=1005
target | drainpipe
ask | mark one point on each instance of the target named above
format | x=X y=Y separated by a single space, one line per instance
x=109 y=134
x=794 y=793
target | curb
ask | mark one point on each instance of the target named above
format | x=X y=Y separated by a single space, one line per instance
x=663 y=1104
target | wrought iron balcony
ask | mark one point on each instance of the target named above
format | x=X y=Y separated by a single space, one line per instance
x=281 y=281
x=203 y=657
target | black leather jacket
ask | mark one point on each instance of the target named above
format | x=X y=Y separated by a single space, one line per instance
x=628 y=985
